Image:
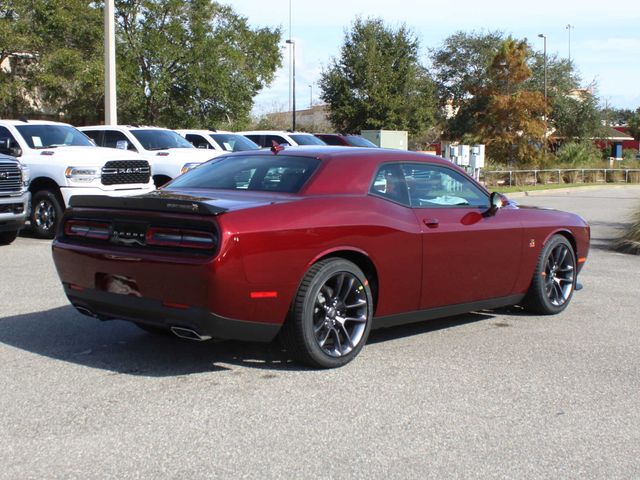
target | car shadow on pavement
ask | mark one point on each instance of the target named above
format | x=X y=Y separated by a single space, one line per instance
x=121 y=347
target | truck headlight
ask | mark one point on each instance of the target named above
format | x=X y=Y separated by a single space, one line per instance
x=82 y=174
x=189 y=166
x=26 y=175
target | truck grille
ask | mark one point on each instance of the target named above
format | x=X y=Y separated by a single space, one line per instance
x=10 y=178
x=119 y=172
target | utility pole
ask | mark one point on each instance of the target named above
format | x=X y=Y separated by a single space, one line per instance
x=110 y=101
x=310 y=96
x=293 y=87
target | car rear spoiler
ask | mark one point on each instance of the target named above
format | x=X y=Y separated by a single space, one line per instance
x=150 y=202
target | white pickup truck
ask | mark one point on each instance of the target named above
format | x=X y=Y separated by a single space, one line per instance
x=14 y=197
x=168 y=153
x=63 y=162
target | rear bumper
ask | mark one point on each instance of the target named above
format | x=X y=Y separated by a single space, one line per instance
x=107 y=306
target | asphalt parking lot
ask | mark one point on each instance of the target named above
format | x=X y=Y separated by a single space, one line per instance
x=484 y=395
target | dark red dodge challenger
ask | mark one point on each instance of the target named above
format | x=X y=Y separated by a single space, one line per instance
x=318 y=245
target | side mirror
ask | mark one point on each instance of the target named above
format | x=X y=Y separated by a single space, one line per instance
x=497 y=201
x=15 y=151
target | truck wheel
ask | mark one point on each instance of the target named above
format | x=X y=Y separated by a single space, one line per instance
x=7 y=237
x=46 y=212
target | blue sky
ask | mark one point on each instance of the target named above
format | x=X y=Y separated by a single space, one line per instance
x=605 y=40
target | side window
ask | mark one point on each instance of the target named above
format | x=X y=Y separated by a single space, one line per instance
x=7 y=142
x=389 y=183
x=436 y=186
x=115 y=139
x=198 y=141
x=256 y=139
x=94 y=135
x=268 y=140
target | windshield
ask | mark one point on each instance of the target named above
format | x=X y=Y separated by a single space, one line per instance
x=160 y=139
x=357 y=141
x=232 y=142
x=49 y=136
x=273 y=173
x=306 y=139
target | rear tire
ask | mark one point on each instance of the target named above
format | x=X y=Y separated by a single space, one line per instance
x=46 y=212
x=330 y=318
x=554 y=278
x=8 y=237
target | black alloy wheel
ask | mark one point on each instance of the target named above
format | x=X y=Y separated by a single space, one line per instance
x=46 y=212
x=330 y=319
x=554 y=279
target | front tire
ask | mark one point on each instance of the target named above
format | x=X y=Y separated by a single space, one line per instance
x=8 y=237
x=331 y=315
x=554 y=279
x=46 y=212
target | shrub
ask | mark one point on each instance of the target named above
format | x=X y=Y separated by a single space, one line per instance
x=579 y=154
x=630 y=241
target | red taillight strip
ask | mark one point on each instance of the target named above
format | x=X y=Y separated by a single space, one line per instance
x=175 y=237
x=87 y=229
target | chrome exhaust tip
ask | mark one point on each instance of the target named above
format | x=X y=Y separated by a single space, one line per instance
x=85 y=311
x=189 y=334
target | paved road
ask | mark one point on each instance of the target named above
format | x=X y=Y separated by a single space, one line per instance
x=486 y=395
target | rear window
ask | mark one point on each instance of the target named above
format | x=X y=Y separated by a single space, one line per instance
x=275 y=173
x=357 y=141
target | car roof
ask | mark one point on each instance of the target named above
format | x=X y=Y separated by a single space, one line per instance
x=272 y=132
x=122 y=127
x=204 y=132
x=32 y=122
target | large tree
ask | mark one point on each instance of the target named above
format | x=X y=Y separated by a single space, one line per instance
x=461 y=68
x=54 y=50
x=377 y=81
x=512 y=123
x=193 y=63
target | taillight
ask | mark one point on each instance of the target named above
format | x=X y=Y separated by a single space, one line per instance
x=175 y=237
x=87 y=229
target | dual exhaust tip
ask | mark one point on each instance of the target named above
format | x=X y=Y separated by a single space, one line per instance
x=182 y=332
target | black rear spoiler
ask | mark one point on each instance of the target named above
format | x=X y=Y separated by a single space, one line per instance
x=151 y=202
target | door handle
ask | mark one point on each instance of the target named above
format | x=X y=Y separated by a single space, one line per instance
x=431 y=222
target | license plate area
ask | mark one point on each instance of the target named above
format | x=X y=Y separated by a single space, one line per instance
x=119 y=284
x=129 y=233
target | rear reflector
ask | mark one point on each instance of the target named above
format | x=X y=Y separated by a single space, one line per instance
x=264 y=294
x=582 y=259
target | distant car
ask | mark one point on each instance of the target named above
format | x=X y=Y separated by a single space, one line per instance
x=265 y=138
x=319 y=244
x=218 y=140
x=168 y=153
x=345 y=140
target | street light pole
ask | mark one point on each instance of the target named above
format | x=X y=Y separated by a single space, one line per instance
x=293 y=87
x=569 y=27
x=544 y=37
x=310 y=96
x=110 y=105
x=546 y=105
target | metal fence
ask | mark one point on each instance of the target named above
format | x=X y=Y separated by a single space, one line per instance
x=501 y=178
